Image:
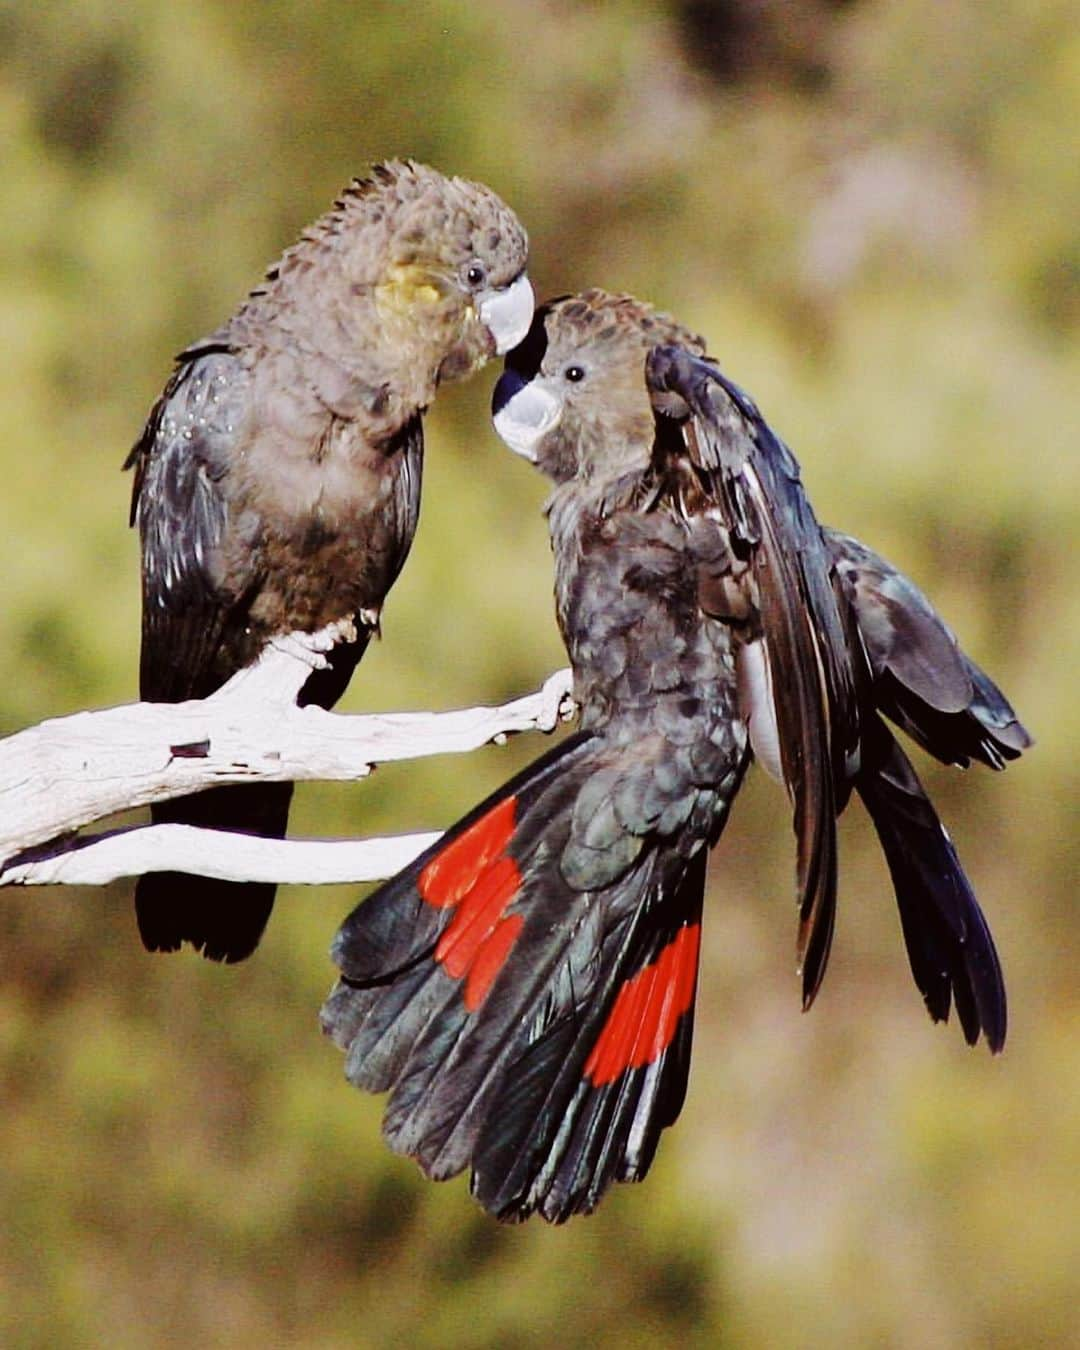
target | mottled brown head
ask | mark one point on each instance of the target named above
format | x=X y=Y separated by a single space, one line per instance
x=573 y=397
x=424 y=272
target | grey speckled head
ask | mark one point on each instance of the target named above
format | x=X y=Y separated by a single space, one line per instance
x=427 y=267
x=573 y=398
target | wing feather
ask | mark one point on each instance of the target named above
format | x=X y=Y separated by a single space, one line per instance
x=180 y=504
x=923 y=680
x=750 y=480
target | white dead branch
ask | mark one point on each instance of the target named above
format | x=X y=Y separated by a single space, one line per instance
x=69 y=772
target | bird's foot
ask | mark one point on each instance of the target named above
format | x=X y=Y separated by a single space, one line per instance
x=557 y=700
x=310 y=648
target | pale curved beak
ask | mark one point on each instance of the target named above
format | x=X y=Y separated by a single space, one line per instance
x=523 y=413
x=507 y=313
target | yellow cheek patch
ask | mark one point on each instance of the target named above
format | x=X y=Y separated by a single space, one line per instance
x=408 y=288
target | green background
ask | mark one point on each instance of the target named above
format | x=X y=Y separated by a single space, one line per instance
x=871 y=209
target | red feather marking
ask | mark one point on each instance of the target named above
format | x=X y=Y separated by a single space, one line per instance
x=646 y=1011
x=453 y=872
x=489 y=959
x=613 y=1045
x=479 y=910
x=474 y=876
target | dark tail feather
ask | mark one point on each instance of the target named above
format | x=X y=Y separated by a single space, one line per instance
x=948 y=941
x=587 y=1093
x=223 y=920
x=395 y=927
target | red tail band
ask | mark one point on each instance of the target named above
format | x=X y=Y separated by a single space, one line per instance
x=646 y=1011
x=453 y=872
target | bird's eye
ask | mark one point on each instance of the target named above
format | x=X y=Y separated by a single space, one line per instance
x=575 y=374
x=475 y=275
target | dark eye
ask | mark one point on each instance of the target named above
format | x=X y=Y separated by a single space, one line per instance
x=575 y=374
x=475 y=275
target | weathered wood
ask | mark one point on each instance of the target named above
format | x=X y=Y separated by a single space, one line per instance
x=68 y=772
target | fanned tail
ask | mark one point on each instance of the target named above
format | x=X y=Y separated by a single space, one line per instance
x=537 y=1033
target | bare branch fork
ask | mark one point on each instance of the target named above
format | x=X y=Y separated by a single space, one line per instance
x=69 y=772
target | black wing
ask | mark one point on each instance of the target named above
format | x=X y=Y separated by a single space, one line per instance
x=407 y=485
x=749 y=480
x=195 y=635
x=180 y=503
x=922 y=679
x=916 y=673
x=949 y=944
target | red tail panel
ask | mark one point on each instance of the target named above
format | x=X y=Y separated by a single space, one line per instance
x=489 y=959
x=646 y=1011
x=476 y=878
x=453 y=872
x=479 y=910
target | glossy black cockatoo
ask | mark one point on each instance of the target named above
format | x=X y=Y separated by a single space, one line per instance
x=526 y=988
x=277 y=479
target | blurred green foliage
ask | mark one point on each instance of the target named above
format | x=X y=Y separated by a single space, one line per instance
x=872 y=209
